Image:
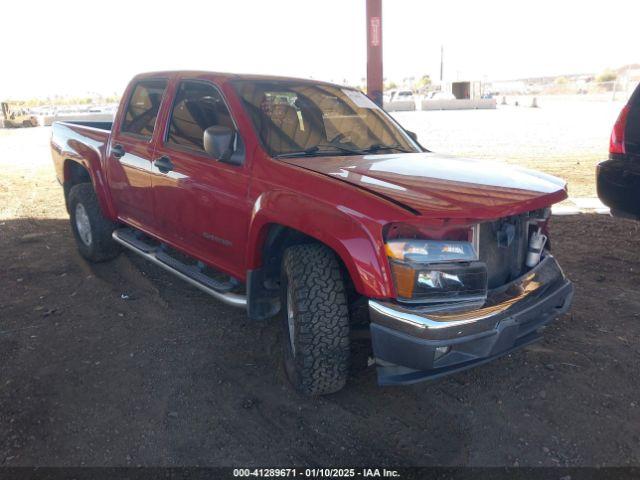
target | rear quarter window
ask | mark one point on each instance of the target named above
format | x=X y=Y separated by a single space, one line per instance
x=143 y=106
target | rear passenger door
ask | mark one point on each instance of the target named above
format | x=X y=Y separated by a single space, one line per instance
x=131 y=153
x=201 y=204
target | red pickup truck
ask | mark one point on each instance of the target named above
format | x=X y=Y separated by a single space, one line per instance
x=305 y=200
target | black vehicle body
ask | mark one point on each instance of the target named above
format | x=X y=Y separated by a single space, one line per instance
x=618 y=178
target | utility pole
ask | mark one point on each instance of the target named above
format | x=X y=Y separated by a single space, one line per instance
x=441 y=63
x=374 y=50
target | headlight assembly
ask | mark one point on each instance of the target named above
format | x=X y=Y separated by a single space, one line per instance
x=431 y=251
x=436 y=270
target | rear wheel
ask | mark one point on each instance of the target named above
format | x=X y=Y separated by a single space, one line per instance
x=91 y=229
x=315 y=320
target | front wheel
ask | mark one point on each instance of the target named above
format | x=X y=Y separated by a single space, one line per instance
x=315 y=320
x=91 y=229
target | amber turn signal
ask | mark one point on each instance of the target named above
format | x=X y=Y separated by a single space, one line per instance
x=405 y=279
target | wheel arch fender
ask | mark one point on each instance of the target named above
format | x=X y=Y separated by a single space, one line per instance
x=87 y=167
x=354 y=238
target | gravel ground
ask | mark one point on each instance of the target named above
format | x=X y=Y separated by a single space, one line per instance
x=122 y=364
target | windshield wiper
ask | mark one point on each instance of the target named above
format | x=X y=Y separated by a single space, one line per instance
x=355 y=151
x=382 y=146
x=321 y=149
x=317 y=150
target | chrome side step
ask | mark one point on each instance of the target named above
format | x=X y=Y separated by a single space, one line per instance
x=150 y=252
x=135 y=238
x=193 y=272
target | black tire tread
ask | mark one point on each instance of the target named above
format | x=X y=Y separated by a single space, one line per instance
x=322 y=318
x=103 y=246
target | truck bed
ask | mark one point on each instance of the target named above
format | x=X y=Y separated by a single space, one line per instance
x=84 y=142
x=93 y=124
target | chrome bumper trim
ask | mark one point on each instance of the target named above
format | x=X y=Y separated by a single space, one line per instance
x=541 y=283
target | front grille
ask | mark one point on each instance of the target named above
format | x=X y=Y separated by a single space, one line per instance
x=503 y=248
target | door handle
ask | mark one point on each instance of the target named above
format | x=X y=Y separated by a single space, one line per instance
x=117 y=151
x=164 y=164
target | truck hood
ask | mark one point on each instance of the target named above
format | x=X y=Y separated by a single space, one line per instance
x=442 y=186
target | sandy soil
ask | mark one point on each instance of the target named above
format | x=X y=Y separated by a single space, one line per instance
x=122 y=364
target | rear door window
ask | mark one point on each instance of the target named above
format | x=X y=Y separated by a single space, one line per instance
x=198 y=106
x=142 y=110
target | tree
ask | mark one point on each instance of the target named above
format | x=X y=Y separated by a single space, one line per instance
x=607 y=76
x=423 y=81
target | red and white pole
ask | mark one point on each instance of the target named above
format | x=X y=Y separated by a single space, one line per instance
x=374 y=50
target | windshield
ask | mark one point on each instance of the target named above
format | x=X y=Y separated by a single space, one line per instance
x=303 y=118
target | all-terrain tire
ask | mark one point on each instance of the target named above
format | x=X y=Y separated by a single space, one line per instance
x=316 y=352
x=97 y=245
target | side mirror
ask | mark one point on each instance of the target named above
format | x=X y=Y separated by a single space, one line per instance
x=413 y=136
x=218 y=142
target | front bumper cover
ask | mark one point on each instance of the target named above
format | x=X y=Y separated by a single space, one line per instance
x=412 y=344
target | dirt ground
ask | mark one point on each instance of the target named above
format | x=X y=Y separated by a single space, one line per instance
x=122 y=364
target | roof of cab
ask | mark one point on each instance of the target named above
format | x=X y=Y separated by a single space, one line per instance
x=225 y=76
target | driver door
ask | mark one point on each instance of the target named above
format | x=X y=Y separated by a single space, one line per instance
x=201 y=204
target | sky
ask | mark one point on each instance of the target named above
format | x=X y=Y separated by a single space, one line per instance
x=69 y=47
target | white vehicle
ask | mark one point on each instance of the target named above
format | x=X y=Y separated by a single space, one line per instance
x=86 y=114
x=440 y=96
x=401 y=96
x=399 y=100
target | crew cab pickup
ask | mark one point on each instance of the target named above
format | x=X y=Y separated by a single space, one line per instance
x=304 y=200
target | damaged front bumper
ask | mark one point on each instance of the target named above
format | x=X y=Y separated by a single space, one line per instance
x=415 y=343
